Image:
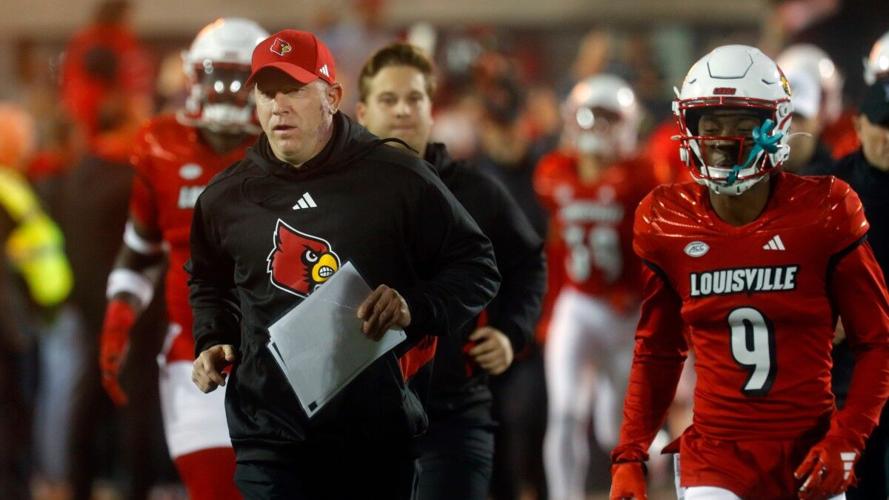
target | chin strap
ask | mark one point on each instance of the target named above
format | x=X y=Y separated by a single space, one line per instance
x=762 y=142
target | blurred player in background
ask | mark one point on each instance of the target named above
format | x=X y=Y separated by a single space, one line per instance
x=757 y=264
x=817 y=102
x=102 y=59
x=175 y=158
x=876 y=65
x=842 y=137
x=590 y=188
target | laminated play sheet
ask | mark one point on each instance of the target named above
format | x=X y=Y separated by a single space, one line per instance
x=319 y=343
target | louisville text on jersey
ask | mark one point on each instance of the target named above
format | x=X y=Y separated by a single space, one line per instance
x=743 y=280
x=590 y=211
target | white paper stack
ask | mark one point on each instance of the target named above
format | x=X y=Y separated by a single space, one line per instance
x=319 y=344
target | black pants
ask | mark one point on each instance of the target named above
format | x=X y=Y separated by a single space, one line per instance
x=520 y=411
x=873 y=467
x=456 y=460
x=329 y=475
x=15 y=425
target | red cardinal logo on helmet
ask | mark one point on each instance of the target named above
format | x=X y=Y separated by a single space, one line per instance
x=280 y=47
x=300 y=262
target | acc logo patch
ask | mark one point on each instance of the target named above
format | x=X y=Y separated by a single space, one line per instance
x=696 y=249
x=299 y=262
x=280 y=47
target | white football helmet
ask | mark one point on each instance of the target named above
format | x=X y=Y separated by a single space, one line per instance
x=814 y=62
x=876 y=65
x=735 y=77
x=589 y=130
x=217 y=65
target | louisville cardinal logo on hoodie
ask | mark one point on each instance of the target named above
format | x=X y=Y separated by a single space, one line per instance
x=300 y=262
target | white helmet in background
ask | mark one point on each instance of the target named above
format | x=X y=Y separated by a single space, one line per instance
x=817 y=66
x=876 y=65
x=217 y=65
x=735 y=77
x=602 y=117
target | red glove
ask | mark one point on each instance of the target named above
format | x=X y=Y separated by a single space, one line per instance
x=119 y=319
x=628 y=481
x=827 y=469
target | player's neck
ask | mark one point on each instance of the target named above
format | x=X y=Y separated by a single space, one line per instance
x=744 y=208
x=221 y=143
x=589 y=168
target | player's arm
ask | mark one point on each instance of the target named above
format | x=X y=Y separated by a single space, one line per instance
x=857 y=290
x=138 y=265
x=131 y=284
x=658 y=358
x=217 y=315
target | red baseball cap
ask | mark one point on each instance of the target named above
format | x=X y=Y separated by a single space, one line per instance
x=299 y=54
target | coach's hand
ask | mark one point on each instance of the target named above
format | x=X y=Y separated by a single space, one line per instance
x=827 y=469
x=207 y=369
x=628 y=481
x=381 y=310
x=492 y=351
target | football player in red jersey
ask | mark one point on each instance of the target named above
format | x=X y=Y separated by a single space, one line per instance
x=174 y=158
x=590 y=189
x=757 y=264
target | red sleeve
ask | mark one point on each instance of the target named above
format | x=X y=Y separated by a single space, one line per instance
x=858 y=292
x=143 y=204
x=844 y=221
x=660 y=352
x=643 y=240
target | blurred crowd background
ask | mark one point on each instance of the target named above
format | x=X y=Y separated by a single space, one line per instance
x=79 y=77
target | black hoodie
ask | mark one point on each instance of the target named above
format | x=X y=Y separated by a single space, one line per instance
x=457 y=384
x=259 y=228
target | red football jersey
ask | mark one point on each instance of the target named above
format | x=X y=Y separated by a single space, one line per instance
x=760 y=302
x=592 y=223
x=173 y=166
x=840 y=136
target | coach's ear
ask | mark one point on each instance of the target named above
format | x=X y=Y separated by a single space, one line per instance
x=334 y=96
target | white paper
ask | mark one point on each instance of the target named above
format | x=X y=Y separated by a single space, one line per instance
x=319 y=343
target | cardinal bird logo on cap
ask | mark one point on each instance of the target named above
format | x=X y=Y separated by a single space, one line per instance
x=280 y=47
x=300 y=262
